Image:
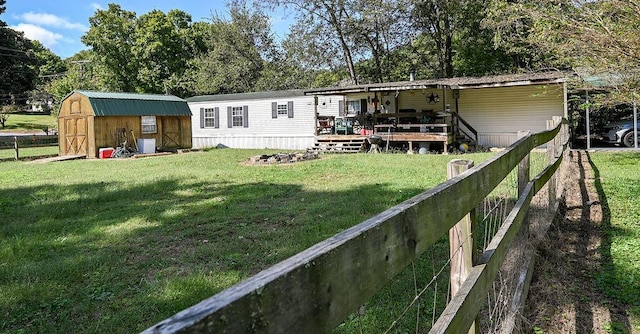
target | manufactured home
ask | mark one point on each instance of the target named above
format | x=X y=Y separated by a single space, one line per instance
x=486 y=111
x=278 y=119
x=436 y=114
x=89 y=121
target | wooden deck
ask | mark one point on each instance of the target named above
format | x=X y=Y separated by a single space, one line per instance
x=356 y=143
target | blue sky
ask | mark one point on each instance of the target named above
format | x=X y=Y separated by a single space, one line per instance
x=59 y=24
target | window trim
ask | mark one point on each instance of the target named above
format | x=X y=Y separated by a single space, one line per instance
x=209 y=114
x=146 y=122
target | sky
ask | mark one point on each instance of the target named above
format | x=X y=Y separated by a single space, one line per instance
x=59 y=24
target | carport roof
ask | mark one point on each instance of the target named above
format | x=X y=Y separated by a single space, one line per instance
x=503 y=80
x=132 y=104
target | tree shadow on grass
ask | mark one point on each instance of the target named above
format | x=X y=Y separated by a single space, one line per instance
x=105 y=257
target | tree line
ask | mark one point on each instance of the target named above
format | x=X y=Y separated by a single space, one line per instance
x=331 y=42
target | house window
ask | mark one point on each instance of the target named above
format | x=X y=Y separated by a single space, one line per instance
x=283 y=109
x=237 y=116
x=209 y=118
x=149 y=124
x=353 y=107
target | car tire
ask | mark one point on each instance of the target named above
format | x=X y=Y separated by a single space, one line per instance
x=627 y=139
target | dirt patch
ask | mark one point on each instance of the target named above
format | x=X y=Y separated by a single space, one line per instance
x=563 y=297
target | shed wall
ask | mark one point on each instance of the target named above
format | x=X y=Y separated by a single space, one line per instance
x=172 y=131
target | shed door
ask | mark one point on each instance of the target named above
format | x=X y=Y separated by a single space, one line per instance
x=75 y=136
x=171 y=132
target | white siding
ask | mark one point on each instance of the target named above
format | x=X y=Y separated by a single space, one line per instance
x=499 y=113
x=263 y=130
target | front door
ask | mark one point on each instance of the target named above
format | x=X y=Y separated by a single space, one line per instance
x=75 y=136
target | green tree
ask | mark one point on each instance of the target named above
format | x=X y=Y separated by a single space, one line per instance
x=17 y=62
x=164 y=44
x=111 y=36
x=597 y=38
x=237 y=51
x=81 y=74
x=324 y=30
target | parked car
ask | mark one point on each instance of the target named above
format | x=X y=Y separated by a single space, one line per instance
x=620 y=132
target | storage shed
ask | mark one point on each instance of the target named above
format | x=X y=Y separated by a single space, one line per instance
x=88 y=121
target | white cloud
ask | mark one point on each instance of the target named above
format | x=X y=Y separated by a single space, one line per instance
x=44 y=19
x=96 y=6
x=34 y=32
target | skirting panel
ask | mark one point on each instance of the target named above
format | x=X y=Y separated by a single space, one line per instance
x=279 y=143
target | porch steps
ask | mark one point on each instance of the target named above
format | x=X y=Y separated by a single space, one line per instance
x=340 y=144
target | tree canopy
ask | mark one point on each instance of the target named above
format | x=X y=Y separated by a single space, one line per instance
x=331 y=42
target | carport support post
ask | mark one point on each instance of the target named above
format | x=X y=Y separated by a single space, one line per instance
x=635 y=124
x=461 y=239
x=588 y=122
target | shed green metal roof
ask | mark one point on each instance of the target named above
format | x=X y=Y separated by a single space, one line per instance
x=131 y=104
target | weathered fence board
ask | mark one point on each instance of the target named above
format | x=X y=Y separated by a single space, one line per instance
x=18 y=142
x=28 y=141
x=318 y=288
x=456 y=317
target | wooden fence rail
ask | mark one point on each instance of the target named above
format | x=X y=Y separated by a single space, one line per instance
x=18 y=142
x=317 y=289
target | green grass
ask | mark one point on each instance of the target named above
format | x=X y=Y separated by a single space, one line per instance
x=29 y=122
x=618 y=183
x=114 y=246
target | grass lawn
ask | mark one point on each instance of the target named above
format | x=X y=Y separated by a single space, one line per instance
x=114 y=246
x=21 y=122
x=618 y=182
x=117 y=245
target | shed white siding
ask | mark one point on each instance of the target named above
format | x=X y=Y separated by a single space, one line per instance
x=499 y=113
x=263 y=127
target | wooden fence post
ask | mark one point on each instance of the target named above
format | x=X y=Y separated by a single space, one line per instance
x=461 y=245
x=551 y=156
x=524 y=167
x=15 y=147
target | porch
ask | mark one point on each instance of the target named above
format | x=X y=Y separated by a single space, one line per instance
x=409 y=131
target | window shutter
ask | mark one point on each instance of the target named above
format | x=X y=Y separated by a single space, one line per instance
x=363 y=106
x=274 y=109
x=245 y=116
x=341 y=107
x=216 y=114
x=201 y=118
x=229 y=118
x=290 y=109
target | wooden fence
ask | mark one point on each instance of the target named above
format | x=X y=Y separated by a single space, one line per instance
x=18 y=142
x=317 y=289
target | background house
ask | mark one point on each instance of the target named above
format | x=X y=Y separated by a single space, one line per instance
x=88 y=121
x=277 y=119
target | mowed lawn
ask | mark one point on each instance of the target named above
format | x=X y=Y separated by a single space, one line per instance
x=618 y=184
x=114 y=246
